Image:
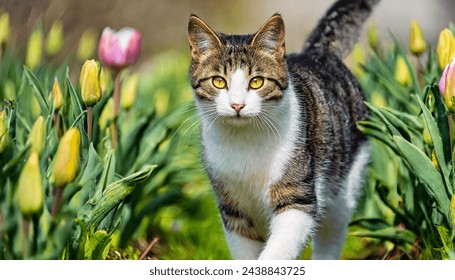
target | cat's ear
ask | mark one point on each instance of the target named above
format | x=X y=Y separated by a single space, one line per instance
x=271 y=36
x=201 y=37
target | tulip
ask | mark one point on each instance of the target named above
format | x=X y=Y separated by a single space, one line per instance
x=54 y=40
x=129 y=91
x=37 y=136
x=161 y=102
x=446 y=47
x=105 y=80
x=447 y=86
x=34 y=49
x=66 y=160
x=402 y=74
x=10 y=90
x=57 y=95
x=434 y=160
x=87 y=45
x=118 y=50
x=107 y=115
x=4 y=28
x=90 y=83
x=30 y=191
x=378 y=99
x=358 y=57
x=372 y=33
x=417 y=43
x=3 y=131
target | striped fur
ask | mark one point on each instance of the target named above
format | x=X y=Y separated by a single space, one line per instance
x=288 y=165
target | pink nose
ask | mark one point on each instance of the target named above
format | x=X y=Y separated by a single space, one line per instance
x=237 y=107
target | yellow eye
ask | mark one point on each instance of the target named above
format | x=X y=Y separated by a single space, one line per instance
x=256 y=82
x=219 y=82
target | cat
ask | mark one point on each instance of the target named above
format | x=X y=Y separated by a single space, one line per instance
x=279 y=138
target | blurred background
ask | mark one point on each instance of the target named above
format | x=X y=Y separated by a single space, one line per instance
x=163 y=23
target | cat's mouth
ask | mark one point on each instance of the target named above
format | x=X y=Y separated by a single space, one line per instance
x=237 y=120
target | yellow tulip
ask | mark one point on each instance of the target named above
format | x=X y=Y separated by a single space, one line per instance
x=129 y=91
x=3 y=131
x=107 y=115
x=105 y=80
x=358 y=57
x=161 y=102
x=67 y=158
x=30 y=191
x=37 y=136
x=34 y=49
x=402 y=74
x=417 y=43
x=87 y=44
x=434 y=160
x=90 y=82
x=57 y=95
x=446 y=47
x=372 y=33
x=54 y=40
x=377 y=99
x=4 y=28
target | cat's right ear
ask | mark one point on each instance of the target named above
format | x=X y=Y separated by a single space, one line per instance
x=201 y=37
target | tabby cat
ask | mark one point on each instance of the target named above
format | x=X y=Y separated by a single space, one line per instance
x=279 y=136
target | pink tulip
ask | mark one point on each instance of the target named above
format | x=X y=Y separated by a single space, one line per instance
x=447 y=86
x=118 y=50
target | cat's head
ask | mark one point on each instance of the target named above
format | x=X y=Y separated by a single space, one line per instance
x=236 y=78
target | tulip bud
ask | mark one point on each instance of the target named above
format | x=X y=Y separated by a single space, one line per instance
x=107 y=115
x=447 y=86
x=34 y=49
x=161 y=102
x=446 y=47
x=105 y=80
x=129 y=91
x=377 y=99
x=402 y=74
x=3 y=131
x=30 y=191
x=358 y=57
x=37 y=136
x=10 y=90
x=118 y=50
x=57 y=95
x=372 y=33
x=434 y=160
x=87 y=45
x=67 y=158
x=426 y=135
x=90 y=82
x=4 y=28
x=54 y=40
x=417 y=43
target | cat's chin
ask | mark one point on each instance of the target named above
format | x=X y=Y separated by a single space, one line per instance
x=237 y=121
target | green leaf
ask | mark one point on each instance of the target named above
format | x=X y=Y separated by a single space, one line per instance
x=113 y=195
x=39 y=93
x=424 y=169
x=390 y=233
x=97 y=245
x=437 y=143
x=443 y=123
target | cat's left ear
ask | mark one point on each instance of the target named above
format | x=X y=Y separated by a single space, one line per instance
x=201 y=37
x=271 y=36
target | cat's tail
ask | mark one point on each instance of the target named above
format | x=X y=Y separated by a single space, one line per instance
x=339 y=29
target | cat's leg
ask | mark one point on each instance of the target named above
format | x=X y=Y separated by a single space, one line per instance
x=331 y=234
x=243 y=248
x=289 y=231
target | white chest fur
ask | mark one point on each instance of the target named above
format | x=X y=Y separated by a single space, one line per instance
x=249 y=158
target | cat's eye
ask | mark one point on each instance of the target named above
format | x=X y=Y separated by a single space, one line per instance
x=256 y=82
x=219 y=82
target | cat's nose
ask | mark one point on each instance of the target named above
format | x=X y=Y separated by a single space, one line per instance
x=237 y=107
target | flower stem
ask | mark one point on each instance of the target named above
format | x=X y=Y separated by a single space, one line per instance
x=116 y=96
x=57 y=122
x=26 y=229
x=89 y=122
x=58 y=194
